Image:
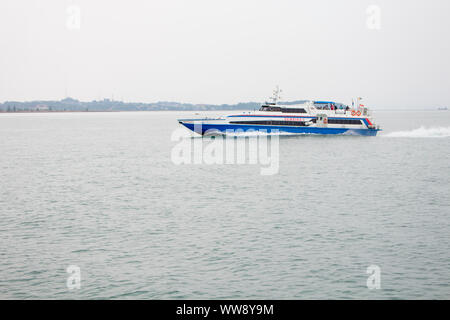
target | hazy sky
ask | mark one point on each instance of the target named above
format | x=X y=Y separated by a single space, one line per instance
x=207 y=51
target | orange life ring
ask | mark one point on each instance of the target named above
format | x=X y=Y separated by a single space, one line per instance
x=353 y=112
x=325 y=120
x=358 y=113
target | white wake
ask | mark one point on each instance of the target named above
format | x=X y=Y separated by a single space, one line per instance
x=422 y=132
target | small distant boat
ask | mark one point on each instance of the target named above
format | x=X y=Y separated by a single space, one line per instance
x=311 y=117
x=442 y=108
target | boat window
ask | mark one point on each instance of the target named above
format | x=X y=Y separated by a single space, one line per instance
x=273 y=123
x=293 y=110
x=344 y=121
x=270 y=108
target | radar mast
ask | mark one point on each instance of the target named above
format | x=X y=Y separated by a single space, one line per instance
x=276 y=95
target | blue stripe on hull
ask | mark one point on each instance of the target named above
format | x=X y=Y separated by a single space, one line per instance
x=290 y=129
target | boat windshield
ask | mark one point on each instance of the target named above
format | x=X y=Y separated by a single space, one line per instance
x=270 y=108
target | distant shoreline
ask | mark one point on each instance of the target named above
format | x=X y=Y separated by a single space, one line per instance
x=194 y=110
x=109 y=111
x=107 y=105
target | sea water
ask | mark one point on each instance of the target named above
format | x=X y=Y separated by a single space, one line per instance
x=93 y=207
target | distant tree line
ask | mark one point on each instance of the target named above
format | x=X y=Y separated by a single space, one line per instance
x=70 y=104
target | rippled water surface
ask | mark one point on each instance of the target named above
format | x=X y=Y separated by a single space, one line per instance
x=100 y=191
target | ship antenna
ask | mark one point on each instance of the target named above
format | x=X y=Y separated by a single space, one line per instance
x=276 y=95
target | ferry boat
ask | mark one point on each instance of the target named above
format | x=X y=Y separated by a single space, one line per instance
x=310 y=117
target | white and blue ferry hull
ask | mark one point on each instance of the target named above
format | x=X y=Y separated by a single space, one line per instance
x=211 y=127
